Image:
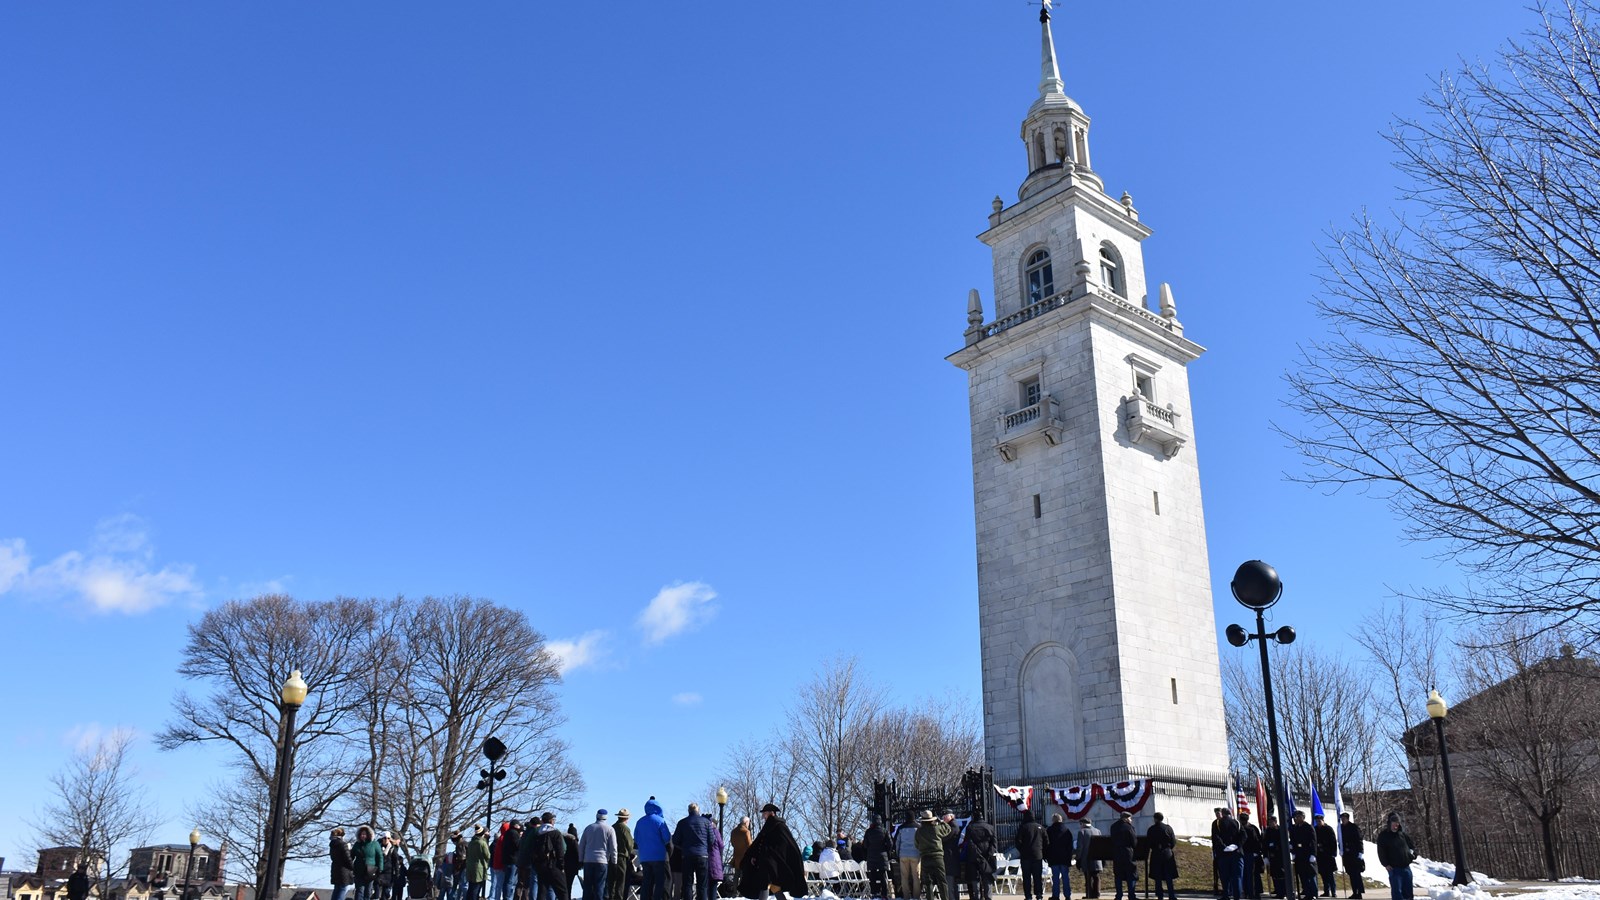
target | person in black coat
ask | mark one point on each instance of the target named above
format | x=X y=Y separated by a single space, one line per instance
x=1271 y=852
x=1163 y=845
x=78 y=884
x=875 y=853
x=1230 y=855
x=773 y=860
x=342 y=867
x=1327 y=854
x=1058 y=855
x=394 y=867
x=1303 y=846
x=1252 y=857
x=1355 y=857
x=981 y=846
x=571 y=864
x=1030 y=850
x=1124 y=868
x=952 y=858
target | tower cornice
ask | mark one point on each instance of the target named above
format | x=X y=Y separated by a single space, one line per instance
x=1067 y=192
x=1085 y=301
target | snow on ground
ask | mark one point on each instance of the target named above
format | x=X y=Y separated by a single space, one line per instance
x=1426 y=873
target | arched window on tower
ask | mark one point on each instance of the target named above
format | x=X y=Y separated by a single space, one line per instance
x=1111 y=273
x=1039 y=278
x=1039 y=158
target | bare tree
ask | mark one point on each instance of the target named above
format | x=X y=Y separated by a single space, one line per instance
x=1526 y=731
x=924 y=749
x=1462 y=378
x=244 y=650
x=98 y=807
x=828 y=728
x=1407 y=651
x=840 y=735
x=1324 y=729
x=475 y=669
x=756 y=773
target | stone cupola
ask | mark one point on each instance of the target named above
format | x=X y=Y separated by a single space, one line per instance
x=1056 y=131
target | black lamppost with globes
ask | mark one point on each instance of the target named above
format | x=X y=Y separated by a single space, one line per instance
x=1256 y=586
x=188 y=872
x=493 y=751
x=293 y=695
x=1437 y=710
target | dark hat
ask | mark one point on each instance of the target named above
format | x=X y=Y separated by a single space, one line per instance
x=771 y=808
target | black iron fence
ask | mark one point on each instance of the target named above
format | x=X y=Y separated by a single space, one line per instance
x=1518 y=857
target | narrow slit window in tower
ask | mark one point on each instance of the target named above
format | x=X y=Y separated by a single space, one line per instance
x=1038 y=508
x=1174 y=691
x=1155 y=498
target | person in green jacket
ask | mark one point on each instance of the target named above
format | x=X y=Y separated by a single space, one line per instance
x=617 y=880
x=477 y=863
x=930 y=843
x=367 y=858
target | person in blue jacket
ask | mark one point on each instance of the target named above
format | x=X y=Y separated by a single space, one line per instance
x=651 y=837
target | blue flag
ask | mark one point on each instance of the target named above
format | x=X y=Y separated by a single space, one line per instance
x=1316 y=802
x=1288 y=797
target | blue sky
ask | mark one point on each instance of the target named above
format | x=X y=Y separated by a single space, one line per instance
x=564 y=304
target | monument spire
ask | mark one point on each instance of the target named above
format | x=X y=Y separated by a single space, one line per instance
x=1049 y=73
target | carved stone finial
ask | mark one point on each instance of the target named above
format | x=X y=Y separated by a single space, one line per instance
x=998 y=204
x=974 y=308
x=1169 y=309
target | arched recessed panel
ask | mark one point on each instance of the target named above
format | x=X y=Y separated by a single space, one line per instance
x=1052 y=721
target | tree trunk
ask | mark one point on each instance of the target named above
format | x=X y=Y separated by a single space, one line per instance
x=1547 y=831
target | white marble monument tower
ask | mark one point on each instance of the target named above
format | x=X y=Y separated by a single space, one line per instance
x=1098 y=638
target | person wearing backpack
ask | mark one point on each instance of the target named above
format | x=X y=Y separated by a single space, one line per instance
x=549 y=856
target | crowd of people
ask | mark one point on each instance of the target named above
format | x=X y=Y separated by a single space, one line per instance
x=537 y=860
x=926 y=857
x=1242 y=853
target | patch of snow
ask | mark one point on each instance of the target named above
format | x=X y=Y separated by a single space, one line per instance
x=1426 y=874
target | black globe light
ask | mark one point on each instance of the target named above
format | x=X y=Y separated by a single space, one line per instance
x=1256 y=586
x=493 y=750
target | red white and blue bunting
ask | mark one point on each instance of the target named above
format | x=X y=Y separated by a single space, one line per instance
x=1126 y=796
x=1076 y=799
x=1018 y=796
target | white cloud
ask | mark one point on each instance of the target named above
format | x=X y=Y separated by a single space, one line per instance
x=677 y=608
x=578 y=652
x=688 y=698
x=83 y=736
x=116 y=574
x=86 y=737
x=14 y=563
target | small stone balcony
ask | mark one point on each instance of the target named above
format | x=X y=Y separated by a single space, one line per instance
x=1154 y=424
x=1030 y=423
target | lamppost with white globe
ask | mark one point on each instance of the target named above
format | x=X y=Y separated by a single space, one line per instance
x=188 y=872
x=293 y=694
x=1437 y=710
